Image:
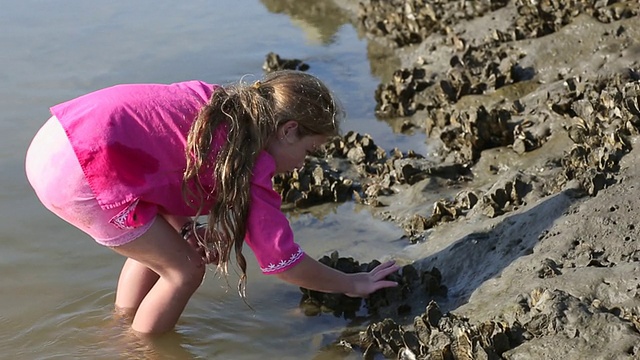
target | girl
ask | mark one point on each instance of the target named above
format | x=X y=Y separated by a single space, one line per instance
x=132 y=165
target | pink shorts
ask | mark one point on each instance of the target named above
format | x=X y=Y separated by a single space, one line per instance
x=59 y=182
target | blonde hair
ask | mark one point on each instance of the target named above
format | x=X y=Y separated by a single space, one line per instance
x=252 y=114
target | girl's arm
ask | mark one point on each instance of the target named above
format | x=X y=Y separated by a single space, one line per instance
x=175 y=221
x=313 y=275
x=179 y=223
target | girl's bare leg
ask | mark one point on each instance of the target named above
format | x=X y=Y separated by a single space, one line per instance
x=179 y=270
x=135 y=282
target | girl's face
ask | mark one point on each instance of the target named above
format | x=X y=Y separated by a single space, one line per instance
x=289 y=149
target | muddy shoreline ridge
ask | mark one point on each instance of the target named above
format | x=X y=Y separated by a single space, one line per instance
x=536 y=112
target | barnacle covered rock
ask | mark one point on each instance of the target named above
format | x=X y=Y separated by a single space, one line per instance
x=274 y=62
x=603 y=116
x=410 y=22
x=410 y=281
x=435 y=335
x=396 y=98
x=354 y=167
x=313 y=184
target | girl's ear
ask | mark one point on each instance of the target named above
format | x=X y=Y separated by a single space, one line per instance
x=289 y=131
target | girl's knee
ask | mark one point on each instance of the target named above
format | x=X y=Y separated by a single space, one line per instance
x=192 y=275
x=198 y=274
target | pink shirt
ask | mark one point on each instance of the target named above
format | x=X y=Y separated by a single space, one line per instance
x=130 y=141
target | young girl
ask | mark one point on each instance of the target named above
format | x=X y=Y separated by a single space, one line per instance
x=133 y=165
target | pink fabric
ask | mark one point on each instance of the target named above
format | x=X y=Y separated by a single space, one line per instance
x=59 y=182
x=130 y=139
x=268 y=233
x=130 y=143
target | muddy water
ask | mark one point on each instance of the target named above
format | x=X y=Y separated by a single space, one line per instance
x=57 y=285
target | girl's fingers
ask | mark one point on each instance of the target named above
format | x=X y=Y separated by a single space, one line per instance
x=211 y=257
x=385 y=265
x=383 y=270
x=207 y=258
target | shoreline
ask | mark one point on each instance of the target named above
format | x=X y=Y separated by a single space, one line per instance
x=537 y=244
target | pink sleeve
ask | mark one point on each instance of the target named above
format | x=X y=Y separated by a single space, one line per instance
x=269 y=234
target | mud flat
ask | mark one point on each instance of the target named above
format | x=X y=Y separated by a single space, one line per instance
x=521 y=226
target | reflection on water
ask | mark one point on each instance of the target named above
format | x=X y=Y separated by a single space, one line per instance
x=58 y=286
x=320 y=20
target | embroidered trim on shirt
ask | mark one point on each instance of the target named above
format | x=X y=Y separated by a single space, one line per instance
x=283 y=263
x=120 y=220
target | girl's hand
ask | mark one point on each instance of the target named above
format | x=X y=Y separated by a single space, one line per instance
x=313 y=275
x=367 y=283
x=208 y=257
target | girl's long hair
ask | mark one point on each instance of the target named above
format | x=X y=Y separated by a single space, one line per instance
x=251 y=115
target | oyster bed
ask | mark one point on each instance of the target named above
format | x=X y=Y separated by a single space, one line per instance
x=531 y=249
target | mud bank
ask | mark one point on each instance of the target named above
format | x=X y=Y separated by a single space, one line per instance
x=534 y=112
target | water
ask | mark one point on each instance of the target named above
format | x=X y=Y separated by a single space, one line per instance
x=57 y=285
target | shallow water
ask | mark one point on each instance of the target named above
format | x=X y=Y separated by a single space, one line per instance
x=57 y=285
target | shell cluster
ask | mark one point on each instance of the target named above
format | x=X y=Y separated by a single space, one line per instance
x=273 y=62
x=435 y=335
x=410 y=281
x=410 y=22
x=353 y=167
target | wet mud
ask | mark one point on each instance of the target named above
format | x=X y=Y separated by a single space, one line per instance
x=530 y=249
